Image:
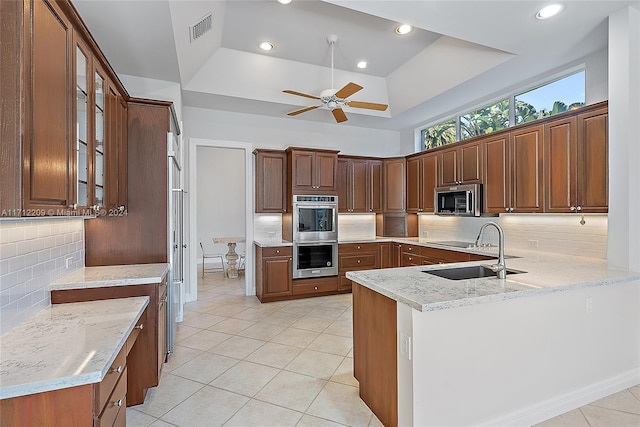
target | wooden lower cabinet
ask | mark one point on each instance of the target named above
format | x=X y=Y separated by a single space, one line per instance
x=315 y=286
x=355 y=257
x=375 y=360
x=146 y=357
x=413 y=255
x=274 y=273
x=100 y=405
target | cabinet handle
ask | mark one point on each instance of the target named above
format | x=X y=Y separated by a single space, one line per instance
x=410 y=249
x=572 y=208
x=73 y=206
x=315 y=288
x=277 y=251
x=358 y=261
x=140 y=326
x=290 y=259
x=579 y=208
x=410 y=259
x=117 y=370
x=117 y=402
x=358 y=247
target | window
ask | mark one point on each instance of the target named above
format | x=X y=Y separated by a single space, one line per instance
x=553 y=98
x=561 y=95
x=439 y=134
x=485 y=120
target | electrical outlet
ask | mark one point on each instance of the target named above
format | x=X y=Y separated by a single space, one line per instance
x=405 y=346
x=68 y=262
x=588 y=305
x=533 y=243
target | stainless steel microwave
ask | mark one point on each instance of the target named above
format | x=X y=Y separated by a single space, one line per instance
x=462 y=200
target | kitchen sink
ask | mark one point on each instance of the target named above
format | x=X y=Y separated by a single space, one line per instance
x=462 y=273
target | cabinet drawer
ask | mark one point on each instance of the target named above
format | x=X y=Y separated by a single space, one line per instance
x=412 y=249
x=116 y=403
x=357 y=247
x=277 y=251
x=411 y=259
x=104 y=388
x=362 y=261
x=142 y=323
x=443 y=255
x=343 y=283
x=314 y=286
x=474 y=257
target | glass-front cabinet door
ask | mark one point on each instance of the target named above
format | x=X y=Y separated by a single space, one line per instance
x=99 y=140
x=82 y=126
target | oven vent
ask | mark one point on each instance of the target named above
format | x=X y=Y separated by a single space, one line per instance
x=201 y=27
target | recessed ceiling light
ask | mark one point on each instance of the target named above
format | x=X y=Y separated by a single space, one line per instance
x=549 y=11
x=284 y=1
x=362 y=64
x=266 y=46
x=404 y=29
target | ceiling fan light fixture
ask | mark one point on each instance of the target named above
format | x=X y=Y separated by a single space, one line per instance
x=362 y=64
x=266 y=46
x=404 y=29
x=549 y=11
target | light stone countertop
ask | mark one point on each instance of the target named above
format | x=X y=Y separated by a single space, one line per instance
x=111 y=275
x=272 y=243
x=544 y=274
x=66 y=345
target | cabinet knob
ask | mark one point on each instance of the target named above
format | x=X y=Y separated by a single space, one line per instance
x=140 y=326
x=290 y=259
x=163 y=300
x=277 y=251
x=572 y=208
x=410 y=259
x=358 y=261
x=73 y=206
x=117 y=370
x=117 y=402
x=315 y=288
x=410 y=249
x=579 y=208
x=358 y=247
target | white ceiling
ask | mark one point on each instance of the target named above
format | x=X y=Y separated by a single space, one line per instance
x=459 y=47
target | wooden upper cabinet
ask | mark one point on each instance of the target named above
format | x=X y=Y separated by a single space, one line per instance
x=497 y=174
x=422 y=179
x=313 y=171
x=394 y=190
x=48 y=132
x=359 y=185
x=271 y=181
x=526 y=151
x=560 y=165
x=461 y=165
x=593 y=161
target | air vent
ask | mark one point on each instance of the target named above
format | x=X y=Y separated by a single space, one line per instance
x=199 y=29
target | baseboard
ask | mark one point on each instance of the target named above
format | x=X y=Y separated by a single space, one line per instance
x=566 y=402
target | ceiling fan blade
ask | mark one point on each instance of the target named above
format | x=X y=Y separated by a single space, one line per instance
x=368 y=105
x=304 y=110
x=339 y=115
x=348 y=90
x=293 y=92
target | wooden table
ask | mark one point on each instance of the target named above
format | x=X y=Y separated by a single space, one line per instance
x=232 y=256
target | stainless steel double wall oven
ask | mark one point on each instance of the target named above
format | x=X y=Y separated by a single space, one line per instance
x=315 y=236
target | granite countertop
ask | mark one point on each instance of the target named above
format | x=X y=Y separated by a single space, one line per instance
x=543 y=274
x=272 y=243
x=111 y=275
x=66 y=345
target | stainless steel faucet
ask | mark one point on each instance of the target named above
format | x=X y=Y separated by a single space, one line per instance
x=500 y=268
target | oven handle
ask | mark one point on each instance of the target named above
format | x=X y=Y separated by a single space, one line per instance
x=314 y=242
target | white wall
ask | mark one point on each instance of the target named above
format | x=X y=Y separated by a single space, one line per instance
x=141 y=87
x=220 y=189
x=279 y=133
x=32 y=255
x=522 y=361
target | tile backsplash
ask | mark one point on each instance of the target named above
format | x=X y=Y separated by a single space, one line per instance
x=356 y=226
x=267 y=227
x=561 y=234
x=33 y=253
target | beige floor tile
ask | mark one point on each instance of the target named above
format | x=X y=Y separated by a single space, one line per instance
x=295 y=337
x=311 y=421
x=262 y=331
x=350 y=354
x=326 y=312
x=602 y=417
x=315 y=324
x=332 y=344
x=341 y=304
x=254 y=314
x=208 y=407
x=315 y=363
x=341 y=403
x=231 y=326
x=344 y=373
x=245 y=378
x=282 y=318
x=205 y=368
x=635 y=390
x=250 y=301
x=204 y=340
x=229 y=310
x=136 y=418
x=299 y=310
x=623 y=401
x=180 y=356
x=291 y=390
x=160 y=423
x=273 y=354
x=237 y=347
x=341 y=328
x=184 y=331
x=375 y=422
x=201 y=320
x=171 y=391
x=200 y=306
x=573 y=418
x=256 y=413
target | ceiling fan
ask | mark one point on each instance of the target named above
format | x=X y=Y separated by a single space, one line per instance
x=333 y=99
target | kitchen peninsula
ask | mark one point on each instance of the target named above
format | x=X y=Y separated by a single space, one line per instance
x=561 y=334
